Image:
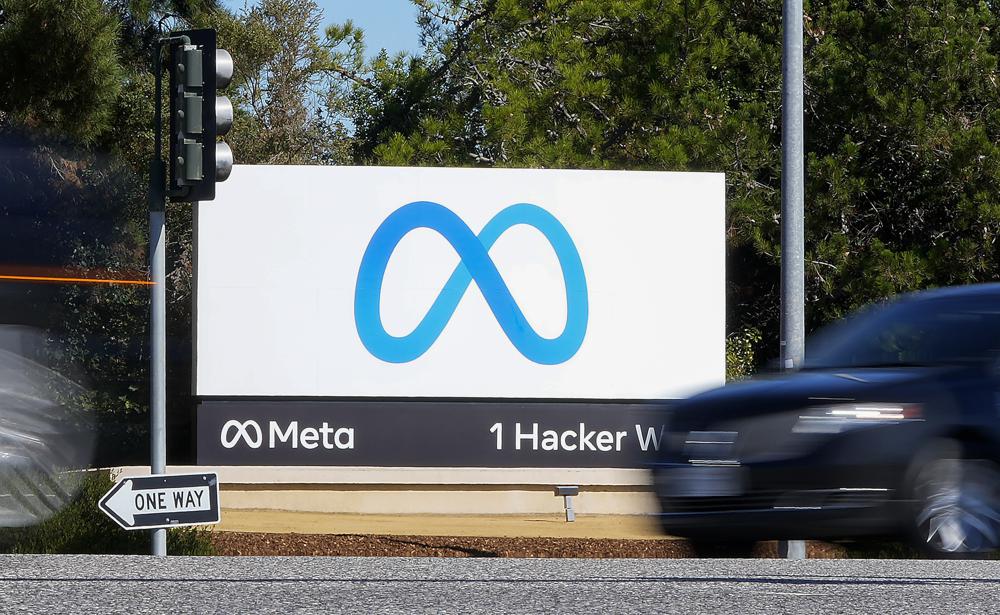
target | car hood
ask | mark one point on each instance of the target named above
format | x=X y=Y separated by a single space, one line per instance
x=811 y=388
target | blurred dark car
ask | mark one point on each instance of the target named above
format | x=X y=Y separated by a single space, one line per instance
x=891 y=429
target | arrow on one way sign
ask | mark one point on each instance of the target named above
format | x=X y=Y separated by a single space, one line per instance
x=163 y=500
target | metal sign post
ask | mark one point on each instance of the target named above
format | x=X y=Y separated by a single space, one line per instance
x=792 y=200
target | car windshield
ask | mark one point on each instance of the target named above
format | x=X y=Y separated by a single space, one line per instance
x=909 y=332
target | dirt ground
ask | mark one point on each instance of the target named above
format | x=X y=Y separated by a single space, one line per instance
x=598 y=536
x=259 y=543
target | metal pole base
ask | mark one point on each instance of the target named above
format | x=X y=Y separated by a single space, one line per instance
x=160 y=542
x=792 y=549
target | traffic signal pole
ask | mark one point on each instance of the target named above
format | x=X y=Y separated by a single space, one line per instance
x=157 y=323
x=158 y=298
x=197 y=163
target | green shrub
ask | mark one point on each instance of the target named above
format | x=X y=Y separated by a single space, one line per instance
x=741 y=347
x=81 y=527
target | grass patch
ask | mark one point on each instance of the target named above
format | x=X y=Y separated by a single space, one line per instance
x=81 y=527
x=882 y=549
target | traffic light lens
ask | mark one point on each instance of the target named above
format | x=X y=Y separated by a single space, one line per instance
x=223 y=161
x=223 y=115
x=223 y=68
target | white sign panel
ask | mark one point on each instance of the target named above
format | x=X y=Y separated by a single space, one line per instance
x=484 y=283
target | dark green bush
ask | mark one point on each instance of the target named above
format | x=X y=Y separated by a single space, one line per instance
x=81 y=527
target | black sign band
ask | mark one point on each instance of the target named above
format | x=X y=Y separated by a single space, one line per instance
x=409 y=433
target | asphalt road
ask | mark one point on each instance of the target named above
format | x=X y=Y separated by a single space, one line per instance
x=111 y=584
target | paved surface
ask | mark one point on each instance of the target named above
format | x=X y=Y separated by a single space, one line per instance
x=110 y=584
x=550 y=526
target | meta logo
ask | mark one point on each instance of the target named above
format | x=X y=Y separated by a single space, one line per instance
x=475 y=265
x=250 y=433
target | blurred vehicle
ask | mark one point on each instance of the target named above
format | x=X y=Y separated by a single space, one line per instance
x=891 y=429
x=45 y=439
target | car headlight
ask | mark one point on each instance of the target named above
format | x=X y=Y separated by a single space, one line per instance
x=842 y=417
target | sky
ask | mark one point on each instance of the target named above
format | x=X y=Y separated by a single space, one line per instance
x=389 y=24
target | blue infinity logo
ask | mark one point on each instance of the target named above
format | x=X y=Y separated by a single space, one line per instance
x=475 y=265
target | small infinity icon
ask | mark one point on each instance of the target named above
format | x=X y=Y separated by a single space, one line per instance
x=229 y=439
x=477 y=265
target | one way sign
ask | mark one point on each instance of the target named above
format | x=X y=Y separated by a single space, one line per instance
x=163 y=500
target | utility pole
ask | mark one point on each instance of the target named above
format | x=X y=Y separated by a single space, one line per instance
x=792 y=206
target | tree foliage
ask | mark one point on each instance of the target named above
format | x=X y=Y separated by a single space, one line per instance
x=60 y=72
x=903 y=165
x=285 y=91
x=901 y=124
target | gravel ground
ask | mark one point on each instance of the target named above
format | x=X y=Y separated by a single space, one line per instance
x=252 y=543
x=144 y=584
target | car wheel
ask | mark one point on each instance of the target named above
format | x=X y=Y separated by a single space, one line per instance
x=956 y=504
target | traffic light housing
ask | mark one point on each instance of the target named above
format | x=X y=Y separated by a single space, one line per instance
x=198 y=116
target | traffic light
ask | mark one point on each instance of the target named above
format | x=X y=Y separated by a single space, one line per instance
x=198 y=116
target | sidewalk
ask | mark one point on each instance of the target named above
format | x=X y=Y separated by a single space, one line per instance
x=549 y=526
